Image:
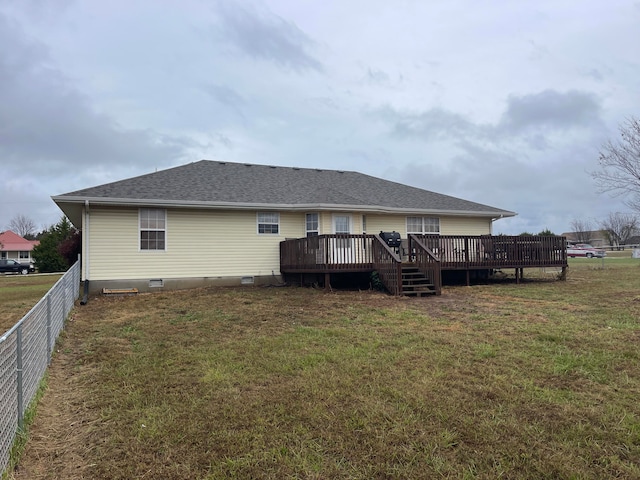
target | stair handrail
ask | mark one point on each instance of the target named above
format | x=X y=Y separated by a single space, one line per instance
x=426 y=261
x=388 y=264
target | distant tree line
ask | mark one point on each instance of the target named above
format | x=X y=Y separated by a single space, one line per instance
x=618 y=228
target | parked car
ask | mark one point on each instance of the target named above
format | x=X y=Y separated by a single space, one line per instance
x=585 y=250
x=11 y=266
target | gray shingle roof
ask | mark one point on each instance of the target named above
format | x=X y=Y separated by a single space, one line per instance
x=223 y=183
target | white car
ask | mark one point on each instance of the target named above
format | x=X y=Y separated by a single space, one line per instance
x=585 y=250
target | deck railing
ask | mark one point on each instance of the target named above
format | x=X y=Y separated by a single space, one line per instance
x=345 y=253
x=461 y=252
x=326 y=253
x=388 y=264
x=426 y=261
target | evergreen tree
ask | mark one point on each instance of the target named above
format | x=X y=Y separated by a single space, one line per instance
x=59 y=247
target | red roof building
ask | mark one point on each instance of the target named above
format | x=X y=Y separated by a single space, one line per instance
x=13 y=246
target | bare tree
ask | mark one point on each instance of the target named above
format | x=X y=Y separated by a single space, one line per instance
x=619 y=227
x=581 y=229
x=22 y=225
x=619 y=172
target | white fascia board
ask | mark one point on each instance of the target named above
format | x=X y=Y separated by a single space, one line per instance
x=129 y=202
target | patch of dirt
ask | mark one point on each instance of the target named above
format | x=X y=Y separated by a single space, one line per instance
x=64 y=429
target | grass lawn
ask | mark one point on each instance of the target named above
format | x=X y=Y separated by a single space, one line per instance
x=19 y=293
x=537 y=380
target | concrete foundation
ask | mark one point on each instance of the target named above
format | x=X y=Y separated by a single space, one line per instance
x=145 y=285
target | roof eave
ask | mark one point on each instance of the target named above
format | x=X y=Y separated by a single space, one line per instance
x=129 y=202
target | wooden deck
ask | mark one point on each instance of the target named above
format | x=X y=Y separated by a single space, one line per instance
x=431 y=254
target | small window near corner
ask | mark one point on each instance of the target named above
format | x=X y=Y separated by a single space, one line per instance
x=153 y=226
x=268 y=223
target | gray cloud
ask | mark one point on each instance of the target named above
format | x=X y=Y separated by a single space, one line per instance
x=46 y=123
x=266 y=36
x=429 y=125
x=551 y=109
x=224 y=95
x=82 y=103
x=526 y=118
x=227 y=97
x=377 y=76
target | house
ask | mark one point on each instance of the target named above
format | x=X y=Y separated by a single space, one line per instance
x=211 y=222
x=14 y=247
x=596 y=238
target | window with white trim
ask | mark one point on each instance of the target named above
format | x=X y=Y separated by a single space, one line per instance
x=312 y=224
x=428 y=225
x=153 y=228
x=268 y=223
x=23 y=255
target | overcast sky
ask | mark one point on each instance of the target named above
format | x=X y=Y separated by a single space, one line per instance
x=505 y=103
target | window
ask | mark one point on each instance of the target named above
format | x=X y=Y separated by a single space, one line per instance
x=423 y=225
x=3 y=255
x=268 y=223
x=24 y=255
x=342 y=225
x=153 y=223
x=312 y=225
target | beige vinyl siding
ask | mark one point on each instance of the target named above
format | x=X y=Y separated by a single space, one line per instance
x=215 y=243
x=199 y=243
x=465 y=226
x=386 y=223
x=326 y=223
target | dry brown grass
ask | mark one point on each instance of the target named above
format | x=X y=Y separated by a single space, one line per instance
x=538 y=380
x=19 y=293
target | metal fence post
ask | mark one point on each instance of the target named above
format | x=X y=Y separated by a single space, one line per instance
x=49 y=346
x=19 y=375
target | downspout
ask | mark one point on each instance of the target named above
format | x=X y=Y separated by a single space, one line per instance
x=85 y=243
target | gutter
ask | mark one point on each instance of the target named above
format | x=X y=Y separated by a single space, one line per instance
x=129 y=202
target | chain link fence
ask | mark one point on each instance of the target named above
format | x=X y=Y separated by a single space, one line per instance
x=25 y=353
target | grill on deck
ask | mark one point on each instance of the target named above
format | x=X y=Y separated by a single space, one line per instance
x=392 y=239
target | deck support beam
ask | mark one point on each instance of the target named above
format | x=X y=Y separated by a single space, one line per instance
x=563 y=274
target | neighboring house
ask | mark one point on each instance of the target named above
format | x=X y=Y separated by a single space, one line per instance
x=596 y=238
x=13 y=246
x=220 y=222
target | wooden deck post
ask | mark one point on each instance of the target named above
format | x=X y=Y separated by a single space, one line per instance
x=327 y=281
x=563 y=274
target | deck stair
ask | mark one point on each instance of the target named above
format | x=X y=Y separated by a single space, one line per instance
x=414 y=282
